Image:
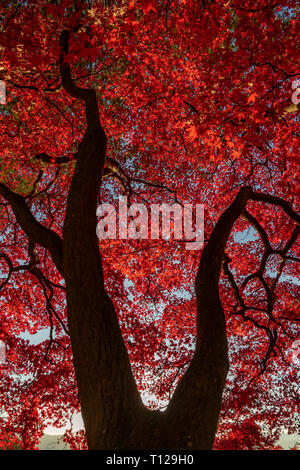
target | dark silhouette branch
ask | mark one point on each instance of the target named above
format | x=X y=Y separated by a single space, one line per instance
x=87 y=95
x=32 y=228
x=45 y=158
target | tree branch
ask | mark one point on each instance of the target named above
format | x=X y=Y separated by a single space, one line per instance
x=32 y=228
x=44 y=157
x=87 y=95
x=207 y=372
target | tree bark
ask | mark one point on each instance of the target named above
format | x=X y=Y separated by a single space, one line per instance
x=113 y=413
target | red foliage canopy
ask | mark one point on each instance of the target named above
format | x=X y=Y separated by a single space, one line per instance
x=196 y=100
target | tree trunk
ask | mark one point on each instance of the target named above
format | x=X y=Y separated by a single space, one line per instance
x=112 y=410
x=113 y=413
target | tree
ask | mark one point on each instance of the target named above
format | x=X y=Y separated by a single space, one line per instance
x=87 y=85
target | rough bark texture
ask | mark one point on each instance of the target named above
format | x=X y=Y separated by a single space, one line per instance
x=113 y=413
x=112 y=410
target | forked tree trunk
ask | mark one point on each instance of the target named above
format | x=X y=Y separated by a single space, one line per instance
x=112 y=410
x=113 y=413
